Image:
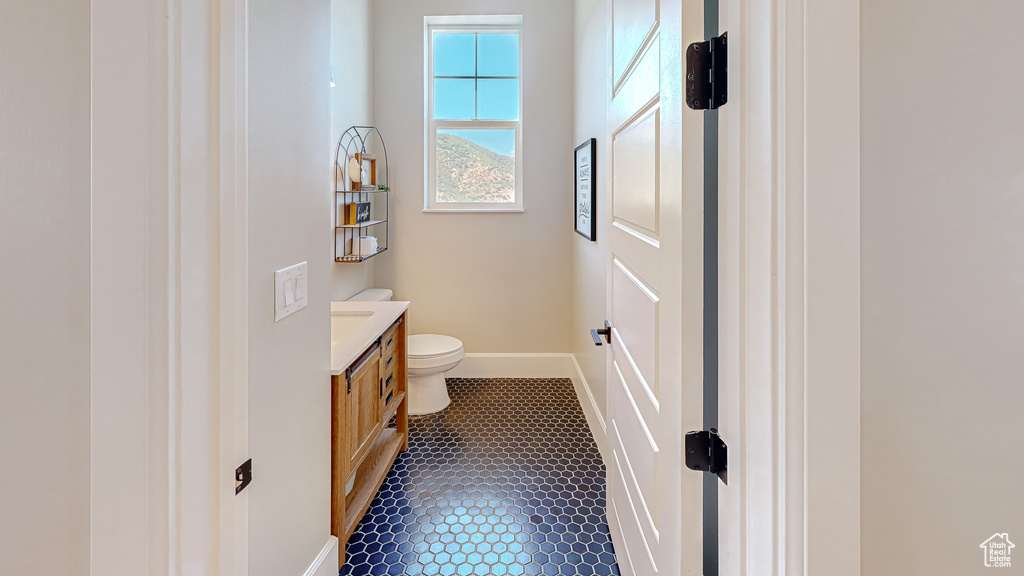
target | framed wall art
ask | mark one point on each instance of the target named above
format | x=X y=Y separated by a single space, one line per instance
x=367 y=171
x=585 y=212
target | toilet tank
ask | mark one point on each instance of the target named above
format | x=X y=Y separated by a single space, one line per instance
x=372 y=295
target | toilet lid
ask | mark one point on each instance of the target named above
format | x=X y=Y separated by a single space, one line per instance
x=430 y=345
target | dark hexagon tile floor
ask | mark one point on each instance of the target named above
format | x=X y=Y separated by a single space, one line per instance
x=506 y=480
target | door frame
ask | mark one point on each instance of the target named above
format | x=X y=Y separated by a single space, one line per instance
x=790 y=288
x=820 y=292
x=168 y=400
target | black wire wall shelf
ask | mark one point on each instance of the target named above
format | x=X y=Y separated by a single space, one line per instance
x=361 y=195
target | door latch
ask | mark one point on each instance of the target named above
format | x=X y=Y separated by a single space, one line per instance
x=243 y=476
x=705 y=450
x=596 y=333
x=707 y=73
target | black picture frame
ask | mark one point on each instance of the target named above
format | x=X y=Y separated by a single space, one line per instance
x=585 y=183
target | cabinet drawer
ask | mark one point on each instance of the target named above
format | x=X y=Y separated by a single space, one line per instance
x=389 y=340
x=389 y=361
x=388 y=382
x=388 y=389
x=389 y=397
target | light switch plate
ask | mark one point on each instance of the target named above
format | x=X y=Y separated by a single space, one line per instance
x=289 y=290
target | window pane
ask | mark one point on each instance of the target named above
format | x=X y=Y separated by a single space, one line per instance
x=454 y=54
x=497 y=99
x=476 y=166
x=498 y=54
x=454 y=99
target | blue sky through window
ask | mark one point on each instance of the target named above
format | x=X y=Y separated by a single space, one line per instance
x=477 y=58
x=454 y=54
x=498 y=54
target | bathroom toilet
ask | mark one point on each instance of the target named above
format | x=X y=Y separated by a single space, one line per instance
x=429 y=357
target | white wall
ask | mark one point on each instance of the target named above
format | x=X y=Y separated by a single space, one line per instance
x=589 y=291
x=44 y=316
x=498 y=282
x=943 y=279
x=289 y=222
x=351 y=104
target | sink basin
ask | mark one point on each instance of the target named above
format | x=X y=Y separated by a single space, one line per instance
x=356 y=325
x=343 y=323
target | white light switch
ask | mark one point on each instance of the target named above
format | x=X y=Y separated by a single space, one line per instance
x=289 y=290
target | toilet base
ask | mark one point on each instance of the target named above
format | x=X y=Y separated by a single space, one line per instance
x=427 y=394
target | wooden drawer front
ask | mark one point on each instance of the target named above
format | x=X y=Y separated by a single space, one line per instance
x=389 y=340
x=389 y=362
x=388 y=388
x=388 y=379
x=390 y=397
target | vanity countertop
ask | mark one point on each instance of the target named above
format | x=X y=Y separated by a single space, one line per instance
x=354 y=327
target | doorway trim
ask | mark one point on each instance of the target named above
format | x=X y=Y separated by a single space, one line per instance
x=168 y=287
x=819 y=291
x=790 y=288
x=234 y=283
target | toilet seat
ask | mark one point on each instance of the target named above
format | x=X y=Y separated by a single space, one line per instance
x=433 y=351
x=427 y=346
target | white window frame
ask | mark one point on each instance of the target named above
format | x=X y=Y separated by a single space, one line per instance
x=468 y=25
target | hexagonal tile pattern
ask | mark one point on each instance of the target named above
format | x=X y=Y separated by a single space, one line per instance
x=506 y=480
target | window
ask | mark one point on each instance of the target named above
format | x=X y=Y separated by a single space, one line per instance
x=474 y=116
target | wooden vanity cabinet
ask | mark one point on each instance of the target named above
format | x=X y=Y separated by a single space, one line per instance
x=364 y=400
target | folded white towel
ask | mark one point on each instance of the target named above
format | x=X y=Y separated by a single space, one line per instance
x=362 y=245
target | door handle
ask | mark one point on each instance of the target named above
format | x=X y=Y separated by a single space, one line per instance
x=596 y=333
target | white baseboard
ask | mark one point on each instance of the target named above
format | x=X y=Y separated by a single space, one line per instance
x=598 y=428
x=514 y=366
x=326 y=563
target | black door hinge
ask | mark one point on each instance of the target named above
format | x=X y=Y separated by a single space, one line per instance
x=243 y=476
x=705 y=450
x=707 y=74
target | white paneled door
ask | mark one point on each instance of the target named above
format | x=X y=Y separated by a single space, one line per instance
x=653 y=510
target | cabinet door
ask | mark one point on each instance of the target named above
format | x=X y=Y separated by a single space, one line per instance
x=363 y=406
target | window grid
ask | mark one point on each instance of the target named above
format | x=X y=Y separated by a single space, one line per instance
x=476 y=76
x=476 y=72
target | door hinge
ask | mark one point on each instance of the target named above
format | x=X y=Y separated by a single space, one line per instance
x=705 y=450
x=243 y=476
x=707 y=77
